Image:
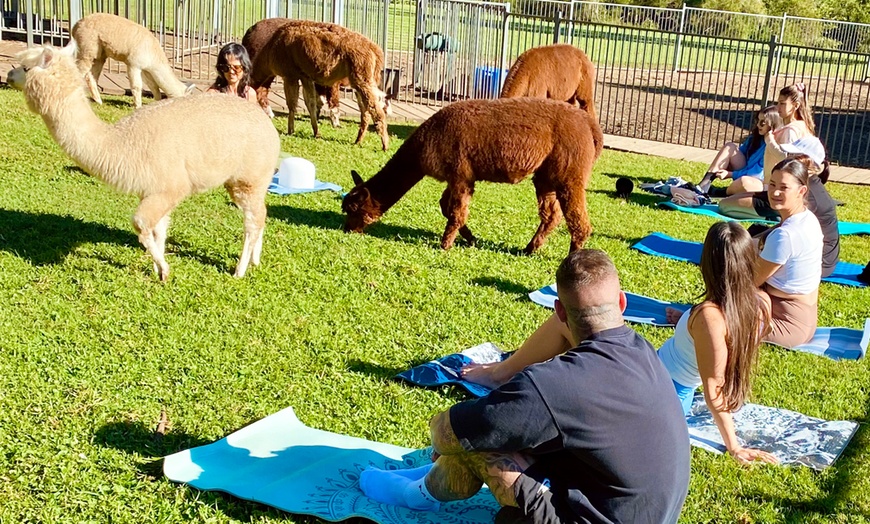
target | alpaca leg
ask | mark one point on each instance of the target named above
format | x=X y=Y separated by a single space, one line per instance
x=370 y=102
x=291 y=94
x=363 y=117
x=151 y=222
x=152 y=85
x=551 y=214
x=135 y=76
x=446 y=205
x=159 y=234
x=92 y=78
x=457 y=213
x=309 y=96
x=576 y=216
x=253 y=205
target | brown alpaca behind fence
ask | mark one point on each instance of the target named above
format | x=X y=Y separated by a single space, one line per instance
x=560 y=71
x=500 y=140
x=318 y=53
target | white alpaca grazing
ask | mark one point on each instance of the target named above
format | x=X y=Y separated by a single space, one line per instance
x=100 y=36
x=162 y=153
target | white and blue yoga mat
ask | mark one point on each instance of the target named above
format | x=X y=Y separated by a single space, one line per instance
x=836 y=343
x=792 y=437
x=280 y=462
x=661 y=245
x=712 y=210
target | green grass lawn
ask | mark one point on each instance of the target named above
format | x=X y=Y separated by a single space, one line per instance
x=92 y=346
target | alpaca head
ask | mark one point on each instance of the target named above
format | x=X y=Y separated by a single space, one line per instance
x=47 y=75
x=361 y=210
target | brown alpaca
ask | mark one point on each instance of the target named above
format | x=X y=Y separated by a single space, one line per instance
x=560 y=71
x=500 y=140
x=317 y=53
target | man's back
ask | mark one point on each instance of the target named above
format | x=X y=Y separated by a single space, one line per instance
x=602 y=421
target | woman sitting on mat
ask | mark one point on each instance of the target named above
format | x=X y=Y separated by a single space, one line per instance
x=789 y=267
x=744 y=164
x=715 y=345
x=797 y=118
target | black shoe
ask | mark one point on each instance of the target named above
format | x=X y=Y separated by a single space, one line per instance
x=717 y=192
x=704 y=184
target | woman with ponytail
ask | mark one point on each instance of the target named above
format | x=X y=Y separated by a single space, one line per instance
x=715 y=344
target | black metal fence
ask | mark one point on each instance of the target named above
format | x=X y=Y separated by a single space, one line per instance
x=679 y=82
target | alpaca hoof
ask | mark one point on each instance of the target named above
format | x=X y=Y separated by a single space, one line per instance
x=446 y=246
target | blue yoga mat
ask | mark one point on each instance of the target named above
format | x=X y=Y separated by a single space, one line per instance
x=280 y=462
x=278 y=189
x=640 y=309
x=792 y=437
x=836 y=343
x=712 y=210
x=660 y=245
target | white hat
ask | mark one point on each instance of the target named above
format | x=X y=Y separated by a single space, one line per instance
x=295 y=173
x=808 y=145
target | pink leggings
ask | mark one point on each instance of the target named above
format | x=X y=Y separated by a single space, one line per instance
x=792 y=322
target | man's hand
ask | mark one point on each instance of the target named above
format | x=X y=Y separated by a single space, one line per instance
x=444 y=441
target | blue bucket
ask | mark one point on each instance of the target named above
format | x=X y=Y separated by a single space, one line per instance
x=487 y=81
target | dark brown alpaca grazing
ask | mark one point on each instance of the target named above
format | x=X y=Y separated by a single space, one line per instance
x=317 y=53
x=500 y=140
x=561 y=72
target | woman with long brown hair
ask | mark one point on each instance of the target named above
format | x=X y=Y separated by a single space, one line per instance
x=715 y=344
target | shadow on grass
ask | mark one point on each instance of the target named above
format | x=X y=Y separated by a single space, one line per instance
x=377 y=370
x=640 y=198
x=505 y=286
x=136 y=437
x=47 y=239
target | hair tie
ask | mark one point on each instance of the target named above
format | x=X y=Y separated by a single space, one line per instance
x=800 y=87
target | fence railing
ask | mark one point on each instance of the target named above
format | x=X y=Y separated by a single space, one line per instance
x=683 y=76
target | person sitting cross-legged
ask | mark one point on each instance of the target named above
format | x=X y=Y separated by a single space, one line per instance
x=594 y=435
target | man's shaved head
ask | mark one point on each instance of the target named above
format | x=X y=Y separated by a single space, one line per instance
x=589 y=292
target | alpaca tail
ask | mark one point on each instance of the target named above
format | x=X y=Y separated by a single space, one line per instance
x=70 y=49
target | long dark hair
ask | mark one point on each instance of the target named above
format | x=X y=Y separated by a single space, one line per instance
x=238 y=51
x=799 y=97
x=770 y=114
x=727 y=267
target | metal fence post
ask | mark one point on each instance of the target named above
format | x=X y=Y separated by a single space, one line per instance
x=781 y=40
x=29 y=23
x=678 y=47
x=384 y=28
x=505 y=27
x=771 y=52
x=75 y=12
x=338 y=12
x=273 y=9
x=557 y=25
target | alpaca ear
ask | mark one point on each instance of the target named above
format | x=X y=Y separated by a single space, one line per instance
x=357 y=180
x=69 y=49
x=48 y=53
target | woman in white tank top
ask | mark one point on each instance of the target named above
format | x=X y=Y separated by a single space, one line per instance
x=715 y=345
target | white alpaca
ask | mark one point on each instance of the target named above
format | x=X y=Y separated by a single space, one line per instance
x=100 y=36
x=162 y=153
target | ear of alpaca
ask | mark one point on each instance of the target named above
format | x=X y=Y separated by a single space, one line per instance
x=357 y=180
x=48 y=56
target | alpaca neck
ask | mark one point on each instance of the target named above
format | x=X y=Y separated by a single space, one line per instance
x=398 y=176
x=81 y=134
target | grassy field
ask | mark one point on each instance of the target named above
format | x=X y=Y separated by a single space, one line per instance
x=92 y=346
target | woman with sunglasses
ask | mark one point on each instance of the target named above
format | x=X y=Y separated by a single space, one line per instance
x=234 y=73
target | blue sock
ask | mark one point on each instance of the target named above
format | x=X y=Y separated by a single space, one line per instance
x=413 y=473
x=389 y=488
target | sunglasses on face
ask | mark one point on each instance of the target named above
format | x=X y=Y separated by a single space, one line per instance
x=226 y=68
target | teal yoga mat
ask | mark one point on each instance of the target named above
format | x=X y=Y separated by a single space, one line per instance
x=712 y=210
x=280 y=462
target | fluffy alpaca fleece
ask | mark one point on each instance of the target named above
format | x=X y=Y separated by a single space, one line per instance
x=317 y=53
x=163 y=152
x=100 y=36
x=500 y=140
x=560 y=71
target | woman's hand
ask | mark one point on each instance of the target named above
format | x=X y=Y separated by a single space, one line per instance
x=722 y=174
x=748 y=456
